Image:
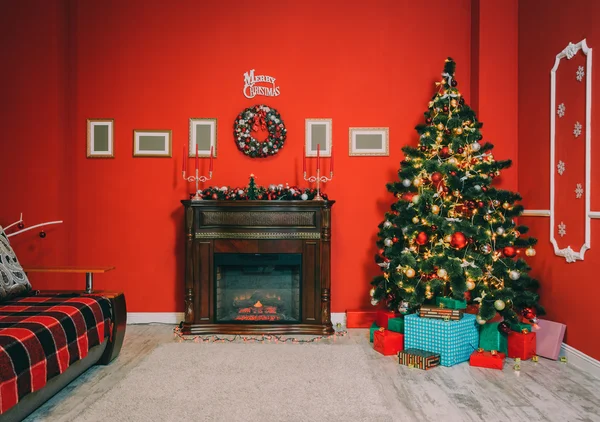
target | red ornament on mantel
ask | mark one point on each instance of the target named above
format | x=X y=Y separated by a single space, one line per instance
x=458 y=240
x=422 y=238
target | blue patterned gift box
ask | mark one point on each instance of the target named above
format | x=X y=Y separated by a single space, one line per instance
x=453 y=340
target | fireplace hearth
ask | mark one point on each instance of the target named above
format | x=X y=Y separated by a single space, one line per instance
x=257 y=267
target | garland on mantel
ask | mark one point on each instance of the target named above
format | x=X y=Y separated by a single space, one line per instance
x=252 y=339
x=256 y=192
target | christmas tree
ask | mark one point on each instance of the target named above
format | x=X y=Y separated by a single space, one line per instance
x=451 y=233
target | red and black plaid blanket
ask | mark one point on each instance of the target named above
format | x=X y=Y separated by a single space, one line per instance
x=40 y=336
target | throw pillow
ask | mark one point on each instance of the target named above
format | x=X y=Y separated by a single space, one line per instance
x=13 y=280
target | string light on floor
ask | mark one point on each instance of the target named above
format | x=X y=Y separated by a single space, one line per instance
x=253 y=339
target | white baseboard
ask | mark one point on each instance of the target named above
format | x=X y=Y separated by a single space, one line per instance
x=338 y=317
x=149 y=317
x=581 y=360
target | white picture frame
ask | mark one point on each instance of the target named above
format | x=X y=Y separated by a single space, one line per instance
x=151 y=143
x=318 y=133
x=203 y=132
x=100 y=138
x=369 y=141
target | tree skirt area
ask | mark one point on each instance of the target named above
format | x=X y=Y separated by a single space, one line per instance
x=235 y=382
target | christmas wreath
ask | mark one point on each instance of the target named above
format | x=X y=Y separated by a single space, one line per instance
x=253 y=119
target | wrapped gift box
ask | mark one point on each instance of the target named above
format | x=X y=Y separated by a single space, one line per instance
x=487 y=359
x=440 y=313
x=492 y=339
x=548 y=338
x=372 y=330
x=388 y=342
x=383 y=316
x=453 y=340
x=448 y=302
x=360 y=318
x=396 y=325
x=418 y=358
x=521 y=345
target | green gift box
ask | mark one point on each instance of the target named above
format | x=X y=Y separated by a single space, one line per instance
x=520 y=326
x=372 y=330
x=396 y=325
x=448 y=302
x=492 y=339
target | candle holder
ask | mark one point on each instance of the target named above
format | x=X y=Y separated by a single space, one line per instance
x=197 y=179
x=319 y=179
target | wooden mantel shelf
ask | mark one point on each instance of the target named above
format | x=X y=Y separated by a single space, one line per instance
x=39 y=269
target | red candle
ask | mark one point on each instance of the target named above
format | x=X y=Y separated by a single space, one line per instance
x=304 y=160
x=331 y=159
x=210 y=168
x=318 y=157
x=197 y=162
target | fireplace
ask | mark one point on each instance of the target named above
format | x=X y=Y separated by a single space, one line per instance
x=253 y=288
x=257 y=267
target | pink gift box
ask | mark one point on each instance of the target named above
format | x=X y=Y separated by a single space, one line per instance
x=549 y=338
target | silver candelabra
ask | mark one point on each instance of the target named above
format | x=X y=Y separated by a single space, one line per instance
x=319 y=179
x=197 y=179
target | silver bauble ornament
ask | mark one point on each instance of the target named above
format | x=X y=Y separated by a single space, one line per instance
x=500 y=230
x=415 y=220
x=486 y=249
x=477 y=187
x=475 y=146
x=374 y=302
x=387 y=224
x=304 y=197
x=388 y=242
x=514 y=275
x=415 y=199
x=406 y=183
x=442 y=273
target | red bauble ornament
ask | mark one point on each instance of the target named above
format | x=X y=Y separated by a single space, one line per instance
x=408 y=196
x=394 y=239
x=436 y=177
x=381 y=251
x=428 y=120
x=458 y=240
x=467 y=296
x=445 y=151
x=434 y=227
x=480 y=204
x=528 y=313
x=214 y=196
x=504 y=327
x=509 y=251
x=422 y=238
x=452 y=173
x=460 y=150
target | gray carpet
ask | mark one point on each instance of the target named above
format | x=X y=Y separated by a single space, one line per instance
x=241 y=382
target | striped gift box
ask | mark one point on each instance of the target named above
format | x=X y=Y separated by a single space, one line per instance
x=453 y=340
x=418 y=358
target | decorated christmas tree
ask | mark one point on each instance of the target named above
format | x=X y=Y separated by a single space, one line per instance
x=452 y=233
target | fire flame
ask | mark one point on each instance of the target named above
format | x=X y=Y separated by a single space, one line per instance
x=258 y=304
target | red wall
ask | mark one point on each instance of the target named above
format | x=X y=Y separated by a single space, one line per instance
x=152 y=65
x=544 y=31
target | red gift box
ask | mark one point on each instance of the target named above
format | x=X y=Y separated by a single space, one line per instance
x=383 y=317
x=485 y=359
x=388 y=342
x=521 y=345
x=360 y=319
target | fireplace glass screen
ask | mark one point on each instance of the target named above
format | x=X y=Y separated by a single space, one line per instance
x=258 y=288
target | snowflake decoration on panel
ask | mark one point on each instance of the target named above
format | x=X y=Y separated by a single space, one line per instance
x=561 y=110
x=562 y=229
x=577 y=129
x=579 y=191
x=560 y=167
x=580 y=73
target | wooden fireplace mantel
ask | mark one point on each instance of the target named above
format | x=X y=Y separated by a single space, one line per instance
x=302 y=227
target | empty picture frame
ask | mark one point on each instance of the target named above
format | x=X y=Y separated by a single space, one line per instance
x=100 y=138
x=151 y=143
x=318 y=133
x=203 y=132
x=369 y=141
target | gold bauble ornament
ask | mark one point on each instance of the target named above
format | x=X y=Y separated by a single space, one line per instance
x=448 y=238
x=440 y=126
x=415 y=199
x=530 y=252
x=435 y=209
x=458 y=130
x=372 y=292
x=442 y=273
x=415 y=220
x=499 y=305
x=439 y=138
x=470 y=284
x=480 y=320
x=453 y=103
x=506 y=205
x=410 y=273
x=453 y=161
x=417 y=182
